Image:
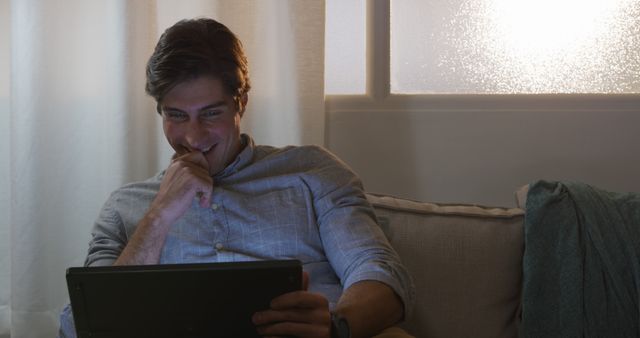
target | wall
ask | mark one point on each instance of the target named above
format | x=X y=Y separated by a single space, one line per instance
x=483 y=157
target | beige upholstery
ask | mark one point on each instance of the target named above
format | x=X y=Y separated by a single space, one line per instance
x=466 y=262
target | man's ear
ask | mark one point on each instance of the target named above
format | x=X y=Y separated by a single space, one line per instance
x=243 y=103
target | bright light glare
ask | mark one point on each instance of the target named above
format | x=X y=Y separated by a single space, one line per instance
x=515 y=46
x=545 y=28
x=562 y=45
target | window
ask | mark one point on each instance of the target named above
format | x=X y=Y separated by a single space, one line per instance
x=483 y=46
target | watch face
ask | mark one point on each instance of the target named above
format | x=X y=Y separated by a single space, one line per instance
x=341 y=326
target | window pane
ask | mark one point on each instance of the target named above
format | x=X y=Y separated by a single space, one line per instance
x=345 y=52
x=515 y=46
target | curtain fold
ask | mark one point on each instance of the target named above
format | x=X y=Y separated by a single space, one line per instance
x=5 y=200
x=76 y=123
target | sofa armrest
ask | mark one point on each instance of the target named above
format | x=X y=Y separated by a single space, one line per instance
x=466 y=262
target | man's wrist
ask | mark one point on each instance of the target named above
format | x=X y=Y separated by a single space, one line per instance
x=157 y=217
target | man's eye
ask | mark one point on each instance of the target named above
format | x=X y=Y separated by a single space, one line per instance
x=176 y=116
x=211 y=113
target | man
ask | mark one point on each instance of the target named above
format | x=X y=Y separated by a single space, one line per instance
x=223 y=198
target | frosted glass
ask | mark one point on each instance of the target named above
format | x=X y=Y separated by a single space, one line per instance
x=345 y=51
x=515 y=46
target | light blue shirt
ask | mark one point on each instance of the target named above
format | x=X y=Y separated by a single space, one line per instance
x=270 y=203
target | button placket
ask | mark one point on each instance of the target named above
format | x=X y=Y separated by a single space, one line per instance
x=217 y=210
x=218 y=246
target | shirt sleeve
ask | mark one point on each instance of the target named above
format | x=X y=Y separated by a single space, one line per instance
x=108 y=240
x=108 y=237
x=67 y=326
x=353 y=241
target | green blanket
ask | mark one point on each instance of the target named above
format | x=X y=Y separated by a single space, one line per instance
x=581 y=266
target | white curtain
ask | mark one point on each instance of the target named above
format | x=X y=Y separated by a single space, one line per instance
x=76 y=123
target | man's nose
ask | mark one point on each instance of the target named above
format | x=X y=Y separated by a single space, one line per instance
x=196 y=137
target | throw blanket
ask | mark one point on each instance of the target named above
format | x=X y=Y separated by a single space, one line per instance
x=581 y=266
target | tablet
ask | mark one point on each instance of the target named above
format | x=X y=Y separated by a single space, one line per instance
x=177 y=300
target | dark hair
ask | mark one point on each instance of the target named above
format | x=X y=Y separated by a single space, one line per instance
x=196 y=47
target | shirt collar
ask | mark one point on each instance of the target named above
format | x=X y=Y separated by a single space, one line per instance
x=243 y=159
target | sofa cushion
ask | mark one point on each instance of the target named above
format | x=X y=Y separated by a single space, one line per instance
x=466 y=262
x=521 y=196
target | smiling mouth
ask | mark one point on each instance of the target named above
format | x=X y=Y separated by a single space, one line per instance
x=182 y=150
x=207 y=151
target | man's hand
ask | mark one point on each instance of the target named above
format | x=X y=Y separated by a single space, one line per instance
x=298 y=313
x=186 y=178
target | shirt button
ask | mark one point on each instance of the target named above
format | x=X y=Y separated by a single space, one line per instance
x=214 y=206
x=219 y=246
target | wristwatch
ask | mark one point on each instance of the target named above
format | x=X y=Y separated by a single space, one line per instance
x=339 y=327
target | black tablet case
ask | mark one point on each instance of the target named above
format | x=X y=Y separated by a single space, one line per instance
x=177 y=300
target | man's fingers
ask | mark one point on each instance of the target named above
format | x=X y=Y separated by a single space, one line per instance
x=300 y=300
x=192 y=164
x=315 y=317
x=294 y=329
x=194 y=157
x=298 y=313
x=271 y=316
x=180 y=151
x=190 y=179
x=305 y=281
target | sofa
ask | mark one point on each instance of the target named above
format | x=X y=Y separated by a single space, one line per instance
x=570 y=268
x=466 y=262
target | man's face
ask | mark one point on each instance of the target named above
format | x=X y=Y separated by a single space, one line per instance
x=199 y=116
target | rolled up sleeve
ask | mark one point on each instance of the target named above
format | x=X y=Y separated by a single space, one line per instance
x=354 y=243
